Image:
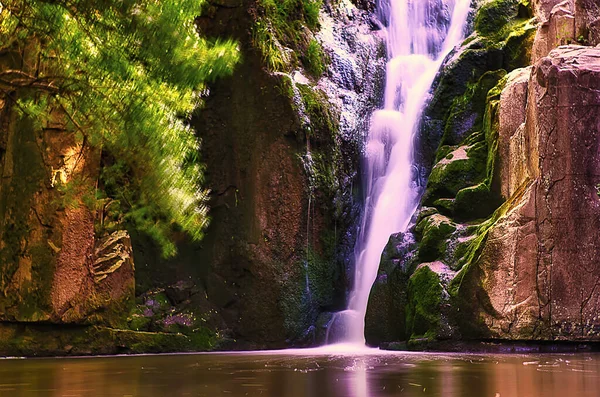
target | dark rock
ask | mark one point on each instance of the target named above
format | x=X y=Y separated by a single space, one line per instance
x=180 y=292
x=385 y=316
x=218 y=291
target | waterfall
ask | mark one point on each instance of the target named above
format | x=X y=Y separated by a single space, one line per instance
x=419 y=35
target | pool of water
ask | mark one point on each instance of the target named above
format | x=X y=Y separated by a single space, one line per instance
x=306 y=373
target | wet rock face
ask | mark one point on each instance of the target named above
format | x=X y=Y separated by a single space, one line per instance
x=541 y=260
x=281 y=153
x=385 y=319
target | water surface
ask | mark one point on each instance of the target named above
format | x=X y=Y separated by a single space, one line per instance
x=298 y=374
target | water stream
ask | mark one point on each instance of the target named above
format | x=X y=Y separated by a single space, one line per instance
x=419 y=35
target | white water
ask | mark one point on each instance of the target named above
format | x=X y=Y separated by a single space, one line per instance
x=420 y=34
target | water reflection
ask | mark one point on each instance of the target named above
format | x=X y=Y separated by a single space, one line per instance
x=302 y=375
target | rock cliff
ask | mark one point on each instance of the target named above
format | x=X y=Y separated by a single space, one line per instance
x=504 y=246
x=281 y=142
x=538 y=265
x=282 y=150
x=52 y=268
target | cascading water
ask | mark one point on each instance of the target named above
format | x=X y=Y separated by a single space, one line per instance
x=420 y=33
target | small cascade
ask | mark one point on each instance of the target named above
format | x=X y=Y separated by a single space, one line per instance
x=420 y=33
x=309 y=166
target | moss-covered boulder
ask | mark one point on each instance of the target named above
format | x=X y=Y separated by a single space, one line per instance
x=497 y=15
x=385 y=317
x=423 y=313
x=462 y=167
x=433 y=231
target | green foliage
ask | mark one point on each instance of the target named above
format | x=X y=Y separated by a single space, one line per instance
x=314 y=60
x=124 y=74
x=264 y=39
x=280 y=24
x=311 y=12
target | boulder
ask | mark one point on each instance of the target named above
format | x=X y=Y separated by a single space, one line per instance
x=539 y=268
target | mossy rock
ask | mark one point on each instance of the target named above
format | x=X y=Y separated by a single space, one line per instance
x=398 y=251
x=494 y=15
x=58 y=340
x=423 y=312
x=322 y=277
x=448 y=177
x=445 y=206
x=378 y=326
x=518 y=45
x=434 y=232
x=466 y=113
x=323 y=119
x=139 y=323
x=299 y=311
x=475 y=202
x=385 y=317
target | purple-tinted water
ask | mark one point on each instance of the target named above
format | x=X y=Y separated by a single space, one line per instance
x=306 y=373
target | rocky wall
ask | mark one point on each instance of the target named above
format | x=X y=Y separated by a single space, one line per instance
x=510 y=211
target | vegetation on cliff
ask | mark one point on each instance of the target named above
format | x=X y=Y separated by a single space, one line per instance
x=124 y=75
x=286 y=24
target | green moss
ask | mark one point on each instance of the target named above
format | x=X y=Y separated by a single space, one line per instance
x=497 y=17
x=279 y=24
x=296 y=306
x=139 y=323
x=24 y=241
x=385 y=320
x=314 y=59
x=475 y=202
x=469 y=181
x=518 y=45
x=423 y=312
x=447 y=178
x=506 y=24
x=444 y=151
x=162 y=300
x=445 y=206
x=467 y=111
x=434 y=231
x=321 y=278
x=323 y=121
x=494 y=15
x=44 y=340
x=285 y=87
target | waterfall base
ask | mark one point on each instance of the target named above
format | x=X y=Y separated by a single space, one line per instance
x=340 y=328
